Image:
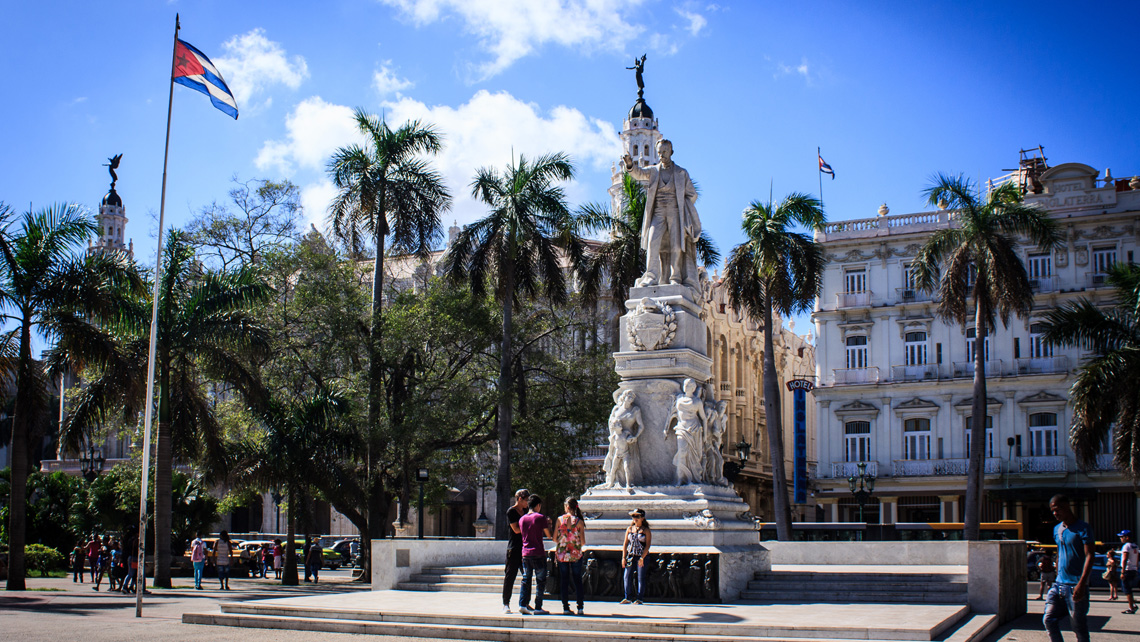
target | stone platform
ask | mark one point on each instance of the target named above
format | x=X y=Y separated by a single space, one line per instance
x=474 y=616
x=693 y=515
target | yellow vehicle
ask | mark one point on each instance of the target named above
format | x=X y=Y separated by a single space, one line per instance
x=1006 y=529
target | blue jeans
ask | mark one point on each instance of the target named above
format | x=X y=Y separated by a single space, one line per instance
x=198 y=566
x=568 y=571
x=1059 y=602
x=312 y=569
x=634 y=572
x=223 y=574
x=535 y=566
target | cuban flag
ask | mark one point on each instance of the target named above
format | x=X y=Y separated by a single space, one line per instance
x=825 y=168
x=194 y=70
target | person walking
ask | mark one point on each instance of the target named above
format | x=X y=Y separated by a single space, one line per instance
x=1046 y=572
x=92 y=551
x=222 y=551
x=533 y=526
x=1111 y=573
x=266 y=555
x=634 y=549
x=314 y=560
x=118 y=567
x=570 y=539
x=1076 y=552
x=103 y=564
x=278 y=558
x=131 y=583
x=514 y=546
x=198 y=559
x=1129 y=563
x=78 y=557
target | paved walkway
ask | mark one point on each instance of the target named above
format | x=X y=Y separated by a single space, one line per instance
x=66 y=611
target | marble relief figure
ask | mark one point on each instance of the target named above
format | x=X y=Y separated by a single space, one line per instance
x=689 y=421
x=625 y=425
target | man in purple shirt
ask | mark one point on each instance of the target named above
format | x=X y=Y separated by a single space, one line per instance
x=533 y=526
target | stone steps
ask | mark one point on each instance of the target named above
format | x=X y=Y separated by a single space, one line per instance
x=959 y=626
x=789 y=587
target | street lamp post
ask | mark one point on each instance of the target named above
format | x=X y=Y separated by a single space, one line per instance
x=743 y=449
x=861 y=487
x=277 y=497
x=422 y=477
x=92 y=465
x=484 y=484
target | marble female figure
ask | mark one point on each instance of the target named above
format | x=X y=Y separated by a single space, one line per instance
x=625 y=425
x=691 y=420
x=714 y=461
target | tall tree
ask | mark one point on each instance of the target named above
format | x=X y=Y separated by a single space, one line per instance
x=265 y=222
x=621 y=257
x=386 y=188
x=974 y=265
x=777 y=270
x=1105 y=403
x=520 y=250
x=206 y=332
x=50 y=289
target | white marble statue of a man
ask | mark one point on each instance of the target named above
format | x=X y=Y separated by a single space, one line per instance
x=670 y=227
x=621 y=459
x=689 y=412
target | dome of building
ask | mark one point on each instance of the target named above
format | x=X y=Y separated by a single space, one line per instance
x=640 y=110
x=112 y=198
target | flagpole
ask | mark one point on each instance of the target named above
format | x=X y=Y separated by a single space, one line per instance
x=140 y=575
x=819 y=173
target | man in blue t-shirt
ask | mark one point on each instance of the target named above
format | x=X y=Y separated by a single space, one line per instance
x=1069 y=594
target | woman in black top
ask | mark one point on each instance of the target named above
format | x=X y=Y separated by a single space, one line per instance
x=634 y=549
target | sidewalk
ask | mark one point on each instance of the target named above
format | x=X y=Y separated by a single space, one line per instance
x=1106 y=622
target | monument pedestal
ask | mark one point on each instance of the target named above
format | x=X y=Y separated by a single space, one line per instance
x=693 y=515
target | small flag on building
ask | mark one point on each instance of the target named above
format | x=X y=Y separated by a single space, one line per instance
x=825 y=168
x=194 y=70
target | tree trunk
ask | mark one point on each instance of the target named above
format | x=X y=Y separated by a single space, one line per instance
x=163 y=477
x=773 y=422
x=18 y=481
x=975 y=471
x=289 y=577
x=505 y=415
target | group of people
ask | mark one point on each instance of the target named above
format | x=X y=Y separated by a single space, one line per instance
x=268 y=556
x=106 y=557
x=1076 y=552
x=1122 y=573
x=526 y=551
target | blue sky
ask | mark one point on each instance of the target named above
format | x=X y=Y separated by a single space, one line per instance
x=891 y=91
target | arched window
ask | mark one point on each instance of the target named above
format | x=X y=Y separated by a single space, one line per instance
x=857 y=352
x=971 y=337
x=1043 y=434
x=857 y=441
x=739 y=367
x=989 y=434
x=916 y=438
x=647 y=150
x=1038 y=349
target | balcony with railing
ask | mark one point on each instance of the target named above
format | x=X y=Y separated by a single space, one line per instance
x=1096 y=281
x=1042 y=365
x=1043 y=284
x=1050 y=464
x=1104 y=463
x=941 y=467
x=848 y=376
x=911 y=295
x=725 y=386
x=965 y=369
x=741 y=394
x=886 y=224
x=845 y=469
x=924 y=372
x=853 y=300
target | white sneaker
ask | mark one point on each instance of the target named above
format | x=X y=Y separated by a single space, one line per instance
x=506 y=609
x=525 y=610
x=625 y=602
x=540 y=612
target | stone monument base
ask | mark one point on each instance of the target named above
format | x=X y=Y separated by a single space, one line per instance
x=693 y=515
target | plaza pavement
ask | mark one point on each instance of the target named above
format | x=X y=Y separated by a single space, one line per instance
x=75 y=612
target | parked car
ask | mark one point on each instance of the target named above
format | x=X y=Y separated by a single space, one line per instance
x=348 y=550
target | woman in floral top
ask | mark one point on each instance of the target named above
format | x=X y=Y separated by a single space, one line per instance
x=570 y=536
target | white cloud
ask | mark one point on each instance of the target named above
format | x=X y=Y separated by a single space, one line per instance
x=386 y=82
x=251 y=64
x=483 y=132
x=696 y=21
x=512 y=29
x=314 y=130
x=802 y=69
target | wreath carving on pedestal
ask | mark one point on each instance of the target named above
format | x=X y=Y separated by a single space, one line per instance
x=652 y=326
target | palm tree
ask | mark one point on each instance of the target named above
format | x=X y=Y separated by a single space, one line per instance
x=975 y=266
x=621 y=257
x=518 y=250
x=206 y=332
x=386 y=189
x=299 y=438
x=777 y=270
x=1104 y=392
x=47 y=288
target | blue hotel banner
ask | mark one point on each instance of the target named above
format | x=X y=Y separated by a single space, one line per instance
x=799 y=389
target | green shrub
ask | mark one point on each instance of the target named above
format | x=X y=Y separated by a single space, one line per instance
x=42 y=558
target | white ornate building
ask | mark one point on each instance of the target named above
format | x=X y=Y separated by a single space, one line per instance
x=895 y=381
